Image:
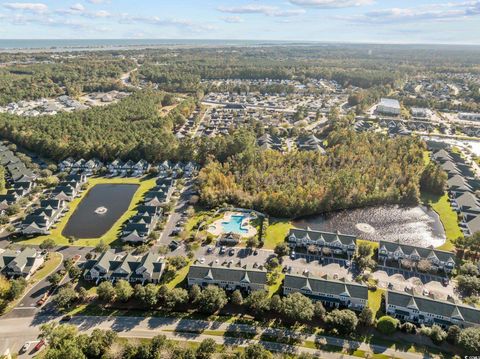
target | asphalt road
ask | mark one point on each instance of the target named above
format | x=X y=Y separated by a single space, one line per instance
x=14 y=333
x=176 y=214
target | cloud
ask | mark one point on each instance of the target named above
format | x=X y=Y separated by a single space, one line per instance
x=183 y=24
x=331 y=4
x=77 y=7
x=432 y=12
x=32 y=7
x=232 y=19
x=261 y=9
x=96 y=2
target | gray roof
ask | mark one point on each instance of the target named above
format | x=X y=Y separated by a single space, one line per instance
x=231 y=274
x=326 y=286
x=389 y=102
x=438 y=307
x=422 y=252
x=328 y=237
x=21 y=259
x=467 y=200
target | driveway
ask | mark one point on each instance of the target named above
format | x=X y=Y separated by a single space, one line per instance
x=176 y=214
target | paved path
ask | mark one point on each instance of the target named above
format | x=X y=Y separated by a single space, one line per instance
x=15 y=331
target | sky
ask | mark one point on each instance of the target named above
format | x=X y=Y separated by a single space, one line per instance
x=380 y=21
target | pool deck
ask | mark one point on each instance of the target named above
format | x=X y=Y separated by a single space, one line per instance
x=216 y=228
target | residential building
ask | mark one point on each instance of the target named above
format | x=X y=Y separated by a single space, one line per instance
x=340 y=244
x=332 y=293
x=24 y=263
x=391 y=253
x=109 y=266
x=228 y=278
x=428 y=311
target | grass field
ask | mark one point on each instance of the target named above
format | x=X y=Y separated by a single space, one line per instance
x=375 y=300
x=448 y=216
x=54 y=260
x=112 y=234
x=276 y=232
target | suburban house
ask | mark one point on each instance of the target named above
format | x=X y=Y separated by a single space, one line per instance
x=24 y=263
x=228 y=278
x=65 y=191
x=393 y=252
x=332 y=293
x=109 y=266
x=428 y=311
x=340 y=244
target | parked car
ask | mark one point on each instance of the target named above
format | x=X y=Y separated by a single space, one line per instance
x=173 y=245
x=209 y=249
x=66 y=318
x=293 y=255
x=231 y=252
x=39 y=345
x=25 y=347
x=347 y=264
x=222 y=249
x=255 y=252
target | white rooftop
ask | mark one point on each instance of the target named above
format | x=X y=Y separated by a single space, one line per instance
x=390 y=102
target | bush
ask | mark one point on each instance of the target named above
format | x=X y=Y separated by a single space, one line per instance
x=387 y=325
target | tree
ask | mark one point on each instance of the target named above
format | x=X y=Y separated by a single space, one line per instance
x=258 y=301
x=387 y=325
x=256 y=351
x=453 y=334
x=48 y=244
x=149 y=294
x=433 y=179
x=17 y=287
x=101 y=247
x=194 y=294
x=276 y=303
x=123 y=290
x=424 y=265
x=98 y=343
x=206 y=349
x=365 y=317
x=55 y=279
x=237 y=298
x=282 y=250
x=74 y=272
x=297 y=307
x=437 y=334
x=252 y=242
x=174 y=297
x=469 y=340
x=343 y=321
x=65 y=297
x=319 y=310
x=178 y=262
x=212 y=299
x=106 y=291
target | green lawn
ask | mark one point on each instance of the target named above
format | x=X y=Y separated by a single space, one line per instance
x=54 y=260
x=375 y=300
x=179 y=278
x=274 y=288
x=276 y=232
x=112 y=234
x=448 y=216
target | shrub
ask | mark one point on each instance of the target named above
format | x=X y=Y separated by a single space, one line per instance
x=387 y=325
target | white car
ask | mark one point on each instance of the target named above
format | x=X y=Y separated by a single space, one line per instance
x=25 y=347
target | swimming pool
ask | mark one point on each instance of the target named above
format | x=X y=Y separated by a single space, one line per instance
x=234 y=225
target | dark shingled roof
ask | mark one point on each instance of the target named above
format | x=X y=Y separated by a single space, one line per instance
x=321 y=285
x=429 y=305
x=232 y=274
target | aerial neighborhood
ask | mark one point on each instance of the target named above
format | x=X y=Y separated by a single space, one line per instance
x=248 y=200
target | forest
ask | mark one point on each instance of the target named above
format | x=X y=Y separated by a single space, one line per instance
x=380 y=170
x=132 y=128
x=29 y=81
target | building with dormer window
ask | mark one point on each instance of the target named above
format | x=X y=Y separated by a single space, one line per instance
x=332 y=293
x=228 y=278
x=428 y=311
x=391 y=253
x=340 y=244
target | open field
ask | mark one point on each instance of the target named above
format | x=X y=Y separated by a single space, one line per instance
x=144 y=183
x=276 y=232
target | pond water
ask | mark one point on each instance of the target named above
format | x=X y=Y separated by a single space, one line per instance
x=411 y=225
x=86 y=223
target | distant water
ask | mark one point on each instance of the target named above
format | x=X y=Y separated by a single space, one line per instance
x=122 y=43
x=410 y=225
